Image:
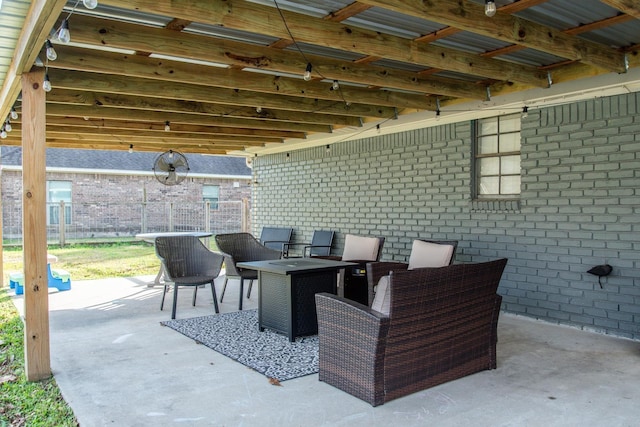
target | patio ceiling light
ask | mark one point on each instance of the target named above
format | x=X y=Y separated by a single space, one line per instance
x=90 y=4
x=51 y=52
x=489 y=8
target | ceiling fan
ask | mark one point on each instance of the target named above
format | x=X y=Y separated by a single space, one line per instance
x=171 y=167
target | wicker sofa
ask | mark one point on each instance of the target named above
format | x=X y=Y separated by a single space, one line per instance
x=442 y=325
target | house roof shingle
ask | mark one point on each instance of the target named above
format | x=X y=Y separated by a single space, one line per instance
x=124 y=161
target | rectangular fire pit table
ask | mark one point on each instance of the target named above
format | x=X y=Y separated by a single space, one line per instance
x=287 y=288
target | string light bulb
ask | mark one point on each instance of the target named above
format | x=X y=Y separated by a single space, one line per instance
x=51 y=52
x=307 y=72
x=90 y=4
x=64 y=36
x=14 y=114
x=525 y=112
x=258 y=109
x=3 y=133
x=7 y=126
x=46 y=84
x=167 y=126
x=130 y=148
x=335 y=85
x=490 y=8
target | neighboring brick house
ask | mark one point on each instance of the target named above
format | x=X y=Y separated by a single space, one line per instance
x=115 y=193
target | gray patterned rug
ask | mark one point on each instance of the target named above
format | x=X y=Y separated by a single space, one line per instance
x=236 y=335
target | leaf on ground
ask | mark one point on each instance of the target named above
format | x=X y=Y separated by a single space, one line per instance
x=8 y=378
x=274 y=381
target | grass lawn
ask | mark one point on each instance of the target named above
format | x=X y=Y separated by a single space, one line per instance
x=24 y=403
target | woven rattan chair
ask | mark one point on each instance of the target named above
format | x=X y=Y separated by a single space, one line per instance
x=243 y=247
x=352 y=281
x=187 y=262
x=380 y=269
x=441 y=325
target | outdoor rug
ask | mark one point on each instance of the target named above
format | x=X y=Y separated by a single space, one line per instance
x=236 y=335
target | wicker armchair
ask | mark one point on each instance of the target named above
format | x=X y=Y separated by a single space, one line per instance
x=379 y=269
x=187 y=262
x=243 y=247
x=352 y=282
x=442 y=325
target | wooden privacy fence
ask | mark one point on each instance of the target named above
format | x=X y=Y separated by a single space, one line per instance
x=105 y=222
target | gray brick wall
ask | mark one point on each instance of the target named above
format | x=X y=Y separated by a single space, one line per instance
x=579 y=206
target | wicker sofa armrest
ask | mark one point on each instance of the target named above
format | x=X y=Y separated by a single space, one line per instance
x=351 y=347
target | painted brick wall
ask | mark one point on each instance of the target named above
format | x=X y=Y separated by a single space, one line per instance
x=579 y=207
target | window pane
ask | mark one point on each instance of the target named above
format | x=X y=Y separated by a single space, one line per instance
x=53 y=215
x=210 y=192
x=510 y=185
x=489 y=166
x=59 y=191
x=488 y=126
x=510 y=165
x=509 y=142
x=489 y=185
x=488 y=144
x=510 y=123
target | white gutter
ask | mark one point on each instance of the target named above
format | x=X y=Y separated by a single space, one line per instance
x=124 y=172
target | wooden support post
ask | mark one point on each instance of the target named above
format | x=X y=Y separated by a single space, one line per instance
x=1 y=235
x=36 y=293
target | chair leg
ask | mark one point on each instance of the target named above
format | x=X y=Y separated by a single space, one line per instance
x=215 y=298
x=250 y=286
x=175 y=300
x=241 y=292
x=224 y=288
x=195 y=294
x=164 y=292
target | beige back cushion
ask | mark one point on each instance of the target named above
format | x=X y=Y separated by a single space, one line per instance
x=423 y=254
x=360 y=248
x=383 y=295
x=427 y=254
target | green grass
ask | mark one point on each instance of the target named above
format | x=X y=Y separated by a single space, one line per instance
x=86 y=262
x=33 y=404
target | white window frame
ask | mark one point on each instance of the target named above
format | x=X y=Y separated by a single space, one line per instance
x=213 y=201
x=497 y=169
x=54 y=197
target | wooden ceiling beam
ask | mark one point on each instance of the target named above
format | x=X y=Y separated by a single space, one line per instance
x=125 y=85
x=470 y=17
x=103 y=32
x=228 y=142
x=266 y=20
x=109 y=100
x=630 y=7
x=123 y=146
x=86 y=124
x=78 y=59
x=71 y=132
x=194 y=119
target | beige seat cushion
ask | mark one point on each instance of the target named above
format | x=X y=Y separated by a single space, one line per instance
x=360 y=248
x=383 y=295
x=427 y=254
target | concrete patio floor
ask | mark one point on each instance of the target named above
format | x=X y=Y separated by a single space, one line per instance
x=117 y=366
